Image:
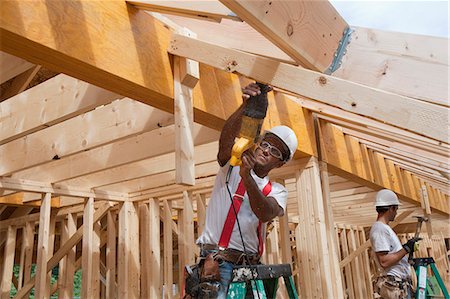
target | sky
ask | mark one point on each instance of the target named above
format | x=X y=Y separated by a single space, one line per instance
x=427 y=17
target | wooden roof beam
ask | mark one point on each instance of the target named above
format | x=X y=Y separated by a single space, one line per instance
x=308 y=31
x=416 y=116
x=110 y=157
x=346 y=157
x=117 y=120
x=158 y=164
x=21 y=199
x=408 y=64
x=48 y=103
x=204 y=10
x=39 y=187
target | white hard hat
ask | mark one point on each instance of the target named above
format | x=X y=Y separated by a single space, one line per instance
x=287 y=135
x=385 y=198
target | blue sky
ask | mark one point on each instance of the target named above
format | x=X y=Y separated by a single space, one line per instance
x=420 y=17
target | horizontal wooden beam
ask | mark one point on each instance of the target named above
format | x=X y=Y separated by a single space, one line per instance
x=108 y=159
x=308 y=31
x=416 y=116
x=408 y=64
x=148 y=167
x=234 y=35
x=117 y=120
x=48 y=103
x=204 y=10
x=18 y=199
x=38 y=187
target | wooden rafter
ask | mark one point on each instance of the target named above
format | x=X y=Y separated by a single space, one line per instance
x=308 y=31
x=38 y=187
x=417 y=116
x=122 y=152
x=345 y=152
x=51 y=102
x=408 y=64
x=139 y=169
x=19 y=199
x=204 y=10
x=104 y=125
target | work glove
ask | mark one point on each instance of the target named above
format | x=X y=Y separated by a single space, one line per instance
x=409 y=246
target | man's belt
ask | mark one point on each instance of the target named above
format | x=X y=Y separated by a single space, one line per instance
x=233 y=256
x=398 y=279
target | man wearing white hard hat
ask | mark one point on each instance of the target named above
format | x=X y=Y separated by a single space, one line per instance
x=391 y=257
x=256 y=200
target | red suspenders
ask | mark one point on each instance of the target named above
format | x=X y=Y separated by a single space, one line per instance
x=231 y=217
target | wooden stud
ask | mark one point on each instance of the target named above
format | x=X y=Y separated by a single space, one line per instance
x=62 y=251
x=111 y=289
x=188 y=223
x=8 y=264
x=51 y=247
x=201 y=213
x=145 y=243
x=154 y=250
x=96 y=272
x=42 y=247
x=87 y=256
x=168 y=250
x=28 y=245
x=67 y=268
x=321 y=168
x=128 y=250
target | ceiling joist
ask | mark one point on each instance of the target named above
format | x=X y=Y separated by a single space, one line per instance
x=48 y=103
x=97 y=127
x=106 y=157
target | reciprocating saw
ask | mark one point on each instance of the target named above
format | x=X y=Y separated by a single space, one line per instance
x=253 y=117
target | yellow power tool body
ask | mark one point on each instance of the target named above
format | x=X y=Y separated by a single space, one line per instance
x=253 y=117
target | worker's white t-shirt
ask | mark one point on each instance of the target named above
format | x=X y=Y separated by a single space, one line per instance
x=220 y=203
x=383 y=238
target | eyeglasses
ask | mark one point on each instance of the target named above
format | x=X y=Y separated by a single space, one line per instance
x=273 y=151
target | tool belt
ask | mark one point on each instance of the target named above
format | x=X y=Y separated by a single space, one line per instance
x=202 y=280
x=233 y=256
x=392 y=287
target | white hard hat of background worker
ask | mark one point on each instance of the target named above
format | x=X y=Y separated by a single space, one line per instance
x=287 y=136
x=385 y=198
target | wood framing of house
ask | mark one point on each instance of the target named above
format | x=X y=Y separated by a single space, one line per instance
x=107 y=166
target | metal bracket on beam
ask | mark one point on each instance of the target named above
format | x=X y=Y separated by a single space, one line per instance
x=340 y=51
